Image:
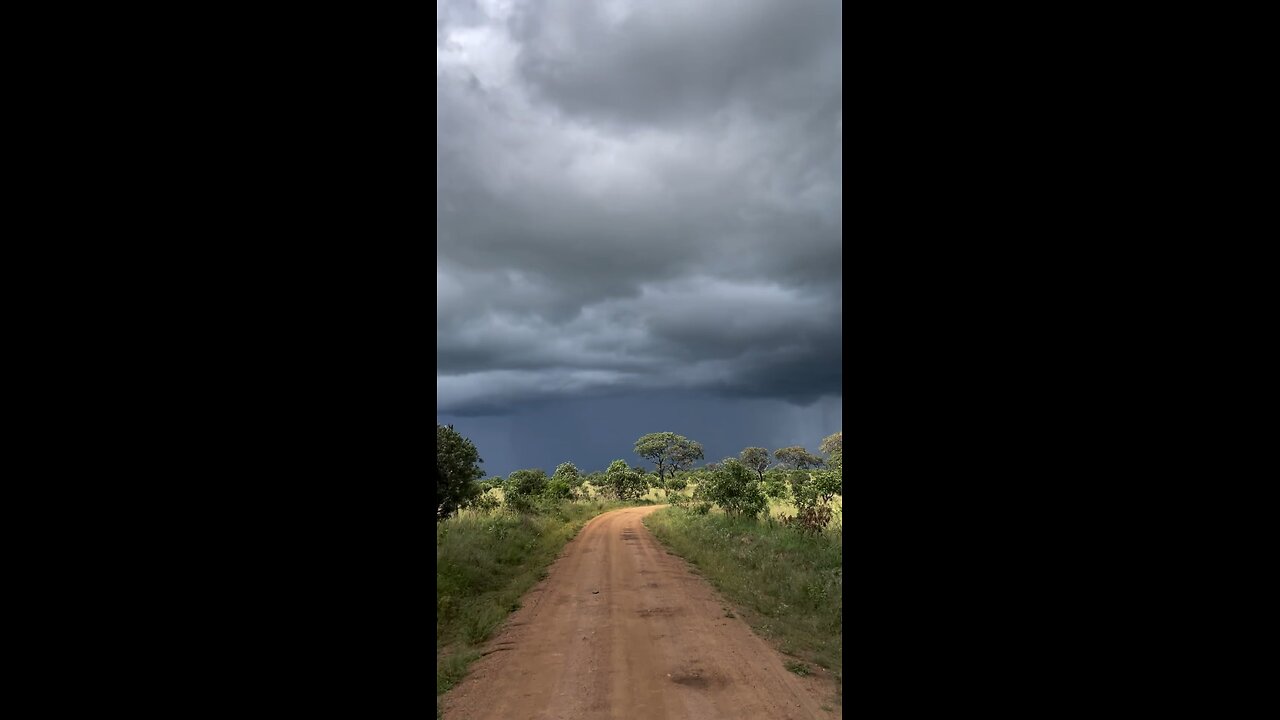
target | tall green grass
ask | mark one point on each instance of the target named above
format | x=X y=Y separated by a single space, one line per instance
x=787 y=585
x=484 y=563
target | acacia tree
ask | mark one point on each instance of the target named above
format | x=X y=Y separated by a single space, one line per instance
x=669 y=452
x=757 y=459
x=833 y=446
x=797 y=458
x=457 y=470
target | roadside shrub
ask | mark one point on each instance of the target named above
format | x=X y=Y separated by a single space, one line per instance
x=569 y=474
x=623 y=483
x=522 y=489
x=734 y=487
x=557 y=488
x=774 y=487
x=813 y=492
x=484 y=503
x=809 y=520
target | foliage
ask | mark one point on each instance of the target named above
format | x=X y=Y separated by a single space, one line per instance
x=523 y=488
x=813 y=492
x=457 y=470
x=797 y=458
x=734 y=488
x=774 y=486
x=757 y=459
x=833 y=446
x=484 y=503
x=798 y=668
x=569 y=472
x=558 y=488
x=622 y=482
x=669 y=452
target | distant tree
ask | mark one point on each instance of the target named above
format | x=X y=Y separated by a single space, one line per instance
x=757 y=459
x=457 y=470
x=833 y=446
x=669 y=452
x=734 y=487
x=797 y=458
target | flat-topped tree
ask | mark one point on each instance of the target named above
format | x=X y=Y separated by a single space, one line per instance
x=757 y=459
x=797 y=458
x=669 y=452
x=833 y=446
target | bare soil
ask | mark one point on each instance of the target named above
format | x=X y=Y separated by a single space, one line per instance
x=620 y=628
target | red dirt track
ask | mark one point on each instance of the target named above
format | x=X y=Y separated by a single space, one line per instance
x=622 y=629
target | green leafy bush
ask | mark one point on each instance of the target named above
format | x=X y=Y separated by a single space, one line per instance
x=621 y=482
x=734 y=488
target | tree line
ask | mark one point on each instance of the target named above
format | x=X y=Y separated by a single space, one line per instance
x=740 y=486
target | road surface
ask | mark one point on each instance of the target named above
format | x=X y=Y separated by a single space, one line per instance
x=622 y=629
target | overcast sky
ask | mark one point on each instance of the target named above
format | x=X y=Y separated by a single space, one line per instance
x=638 y=225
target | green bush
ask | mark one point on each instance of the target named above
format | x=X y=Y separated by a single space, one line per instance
x=523 y=488
x=733 y=487
x=558 y=488
x=621 y=482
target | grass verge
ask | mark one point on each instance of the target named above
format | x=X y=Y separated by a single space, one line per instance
x=787 y=585
x=484 y=564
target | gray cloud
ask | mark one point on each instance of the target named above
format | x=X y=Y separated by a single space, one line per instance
x=637 y=198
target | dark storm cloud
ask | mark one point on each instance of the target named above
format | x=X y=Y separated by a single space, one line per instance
x=637 y=198
x=606 y=428
x=658 y=62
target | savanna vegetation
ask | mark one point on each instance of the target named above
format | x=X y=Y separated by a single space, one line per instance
x=767 y=532
x=764 y=528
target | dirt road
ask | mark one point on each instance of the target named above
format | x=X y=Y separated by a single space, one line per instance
x=622 y=629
